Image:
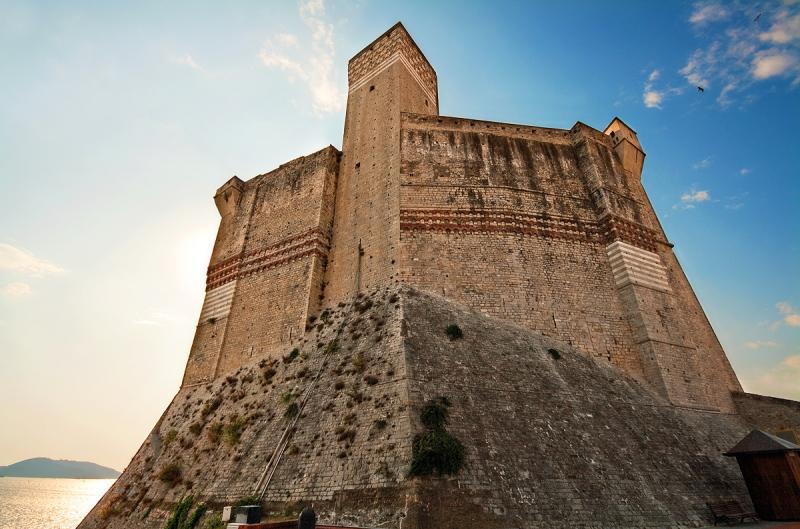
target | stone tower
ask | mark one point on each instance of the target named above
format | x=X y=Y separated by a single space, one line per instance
x=389 y=77
x=588 y=389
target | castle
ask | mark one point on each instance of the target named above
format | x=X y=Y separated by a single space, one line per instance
x=532 y=239
x=547 y=228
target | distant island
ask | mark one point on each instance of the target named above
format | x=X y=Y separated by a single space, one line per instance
x=42 y=467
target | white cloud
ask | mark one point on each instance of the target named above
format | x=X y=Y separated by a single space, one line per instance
x=706 y=12
x=771 y=63
x=760 y=344
x=653 y=98
x=745 y=171
x=779 y=379
x=315 y=64
x=17 y=290
x=699 y=65
x=695 y=196
x=273 y=59
x=789 y=315
x=702 y=164
x=785 y=29
x=738 y=52
x=24 y=262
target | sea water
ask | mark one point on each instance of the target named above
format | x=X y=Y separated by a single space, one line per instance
x=48 y=503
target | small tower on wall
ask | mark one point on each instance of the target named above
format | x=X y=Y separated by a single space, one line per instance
x=627 y=146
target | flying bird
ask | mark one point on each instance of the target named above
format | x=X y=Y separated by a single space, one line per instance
x=701 y=89
x=757 y=17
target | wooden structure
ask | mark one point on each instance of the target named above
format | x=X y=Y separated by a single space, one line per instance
x=730 y=511
x=771 y=469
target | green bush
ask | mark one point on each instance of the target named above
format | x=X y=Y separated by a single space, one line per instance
x=434 y=413
x=170 y=437
x=232 y=432
x=555 y=353
x=171 y=473
x=181 y=519
x=436 y=452
x=292 y=410
x=294 y=353
x=214 y=522
x=454 y=332
x=248 y=500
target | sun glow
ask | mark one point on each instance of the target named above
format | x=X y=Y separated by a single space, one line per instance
x=192 y=254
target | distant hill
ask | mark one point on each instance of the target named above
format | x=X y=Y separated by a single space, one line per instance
x=42 y=467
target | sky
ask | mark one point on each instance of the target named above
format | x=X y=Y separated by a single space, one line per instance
x=119 y=120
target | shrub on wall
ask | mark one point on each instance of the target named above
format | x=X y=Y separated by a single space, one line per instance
x=181 y=519
x=436 y=451
x=232 y=431
x=454 y=332
x=170 y=473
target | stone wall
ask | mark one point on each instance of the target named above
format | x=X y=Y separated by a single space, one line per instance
x=556 y=442
x=773 y=415
x=546 y=228
x=266 y=272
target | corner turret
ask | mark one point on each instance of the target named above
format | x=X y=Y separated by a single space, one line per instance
x=627 y=146
x=227 y=197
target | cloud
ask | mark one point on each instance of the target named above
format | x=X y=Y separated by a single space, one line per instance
x=690 y=199
x=653 y=98
x=760 y=344
x=707 y=12
x=16 y=290
x=311 y=62
x=785 y=29
x=705 y=163
x=695 y=196
x=187 y=60
x=738 y=52
x=779 y=379
x=745 y=171
x=771 y=63
x=24 y=262
x=789 y=316
x=700 y=65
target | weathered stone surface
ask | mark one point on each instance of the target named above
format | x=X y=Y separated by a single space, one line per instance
x=571 y=441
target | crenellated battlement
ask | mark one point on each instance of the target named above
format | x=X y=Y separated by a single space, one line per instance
x=396 y=45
